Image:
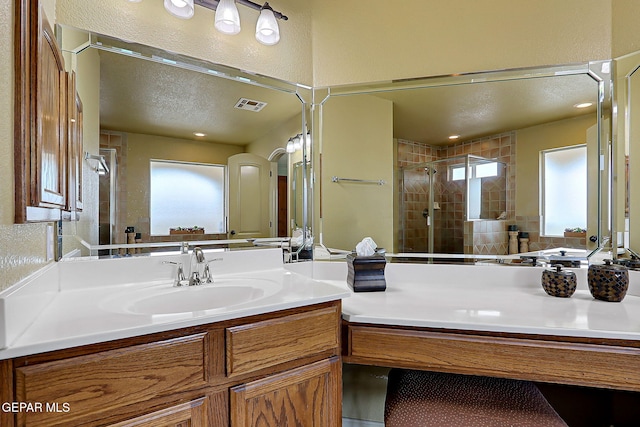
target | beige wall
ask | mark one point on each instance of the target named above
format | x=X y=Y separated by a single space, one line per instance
x=277 y=138
x=625 y=37
x=357 y=143
x=529 y=142
x=142 y=148
x=379 y=40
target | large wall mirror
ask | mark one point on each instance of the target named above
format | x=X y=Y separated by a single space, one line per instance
x=457 y=164
x=193 y=151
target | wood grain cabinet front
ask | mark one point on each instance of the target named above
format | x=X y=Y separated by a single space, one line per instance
x=190 y=414
x=287 y=362
x=265 y=344
x=87 y=388
x=307 y=396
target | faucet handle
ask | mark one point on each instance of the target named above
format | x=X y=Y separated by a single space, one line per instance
x=180 y=278
x=206 y=274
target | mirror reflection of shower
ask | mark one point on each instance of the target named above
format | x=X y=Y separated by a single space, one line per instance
x=442 y=199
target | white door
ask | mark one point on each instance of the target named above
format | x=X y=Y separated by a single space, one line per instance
x=249 y=183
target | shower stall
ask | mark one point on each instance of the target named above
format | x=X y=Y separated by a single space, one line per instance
x=439 y=199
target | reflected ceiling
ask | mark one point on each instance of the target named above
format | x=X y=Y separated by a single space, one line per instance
x=431 y=115
x=142 y=96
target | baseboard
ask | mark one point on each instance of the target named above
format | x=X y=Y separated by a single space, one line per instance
x=352 y=422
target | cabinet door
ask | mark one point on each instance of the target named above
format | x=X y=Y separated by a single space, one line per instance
x=50 y=156
x=190 y=414
x=307 y=396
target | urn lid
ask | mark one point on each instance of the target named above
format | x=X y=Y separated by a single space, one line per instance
x=556 y=270
x=608 y=266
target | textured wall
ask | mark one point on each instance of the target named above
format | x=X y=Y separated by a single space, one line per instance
x=380 y=40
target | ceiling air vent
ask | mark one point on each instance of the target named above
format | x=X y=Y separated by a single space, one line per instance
x=250 y=104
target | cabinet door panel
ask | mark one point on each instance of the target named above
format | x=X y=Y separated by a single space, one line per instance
x=268 y=343
x=190 y=414
x=97 y=385
x=309 y=396
x=50 y=156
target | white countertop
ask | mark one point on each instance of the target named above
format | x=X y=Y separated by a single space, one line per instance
x=80 y=314
x=487 y=298
x=71 y=304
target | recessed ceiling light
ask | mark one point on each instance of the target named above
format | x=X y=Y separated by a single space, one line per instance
x=199 y=134
x=584 y=105
x=454 y=137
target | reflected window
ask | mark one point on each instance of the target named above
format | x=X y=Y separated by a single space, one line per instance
x=186 y=195
x=480 y=170
x=564 y=189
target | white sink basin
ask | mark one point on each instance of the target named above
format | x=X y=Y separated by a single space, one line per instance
x=168 y=299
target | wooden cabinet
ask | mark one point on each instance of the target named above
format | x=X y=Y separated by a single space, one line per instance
x=190 y=414
x=307 y=396
x=278 y=367
x=46 y=146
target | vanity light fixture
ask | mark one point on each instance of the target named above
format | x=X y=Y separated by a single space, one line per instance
x=101 y=166
x=295 y=143
x=267 y=30
x=583 y=105
x=179 y=8
x=290 y=148
x=227 y=18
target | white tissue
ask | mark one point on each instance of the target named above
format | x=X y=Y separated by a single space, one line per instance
x=366 y=247
x=297 y=238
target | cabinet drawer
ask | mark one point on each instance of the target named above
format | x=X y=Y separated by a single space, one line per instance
x=95 y=385
x=271 y=342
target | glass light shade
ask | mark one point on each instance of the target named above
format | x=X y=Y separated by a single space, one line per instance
x=227 y=17
x=297 y=144
x=179 y=8
x=290 y=149
x=267 y=31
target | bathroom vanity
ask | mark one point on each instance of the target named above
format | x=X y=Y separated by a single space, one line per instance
x=269 y=359
x=493 y=321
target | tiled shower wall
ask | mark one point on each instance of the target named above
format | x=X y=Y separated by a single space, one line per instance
x=413 y=232
x=451 y=234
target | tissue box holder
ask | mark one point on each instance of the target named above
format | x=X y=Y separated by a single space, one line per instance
x=366 y=273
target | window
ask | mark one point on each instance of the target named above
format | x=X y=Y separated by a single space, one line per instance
x=564 y=189
x=186 y=195
x=478 y=170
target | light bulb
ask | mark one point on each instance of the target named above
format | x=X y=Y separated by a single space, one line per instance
x=267 y=31
x=179 y=8
x=290 y=148
x=227 y=17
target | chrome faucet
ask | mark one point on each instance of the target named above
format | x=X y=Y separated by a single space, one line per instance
x=199 y=271
x=180 y=279
x=198 y=256
x=196 y=278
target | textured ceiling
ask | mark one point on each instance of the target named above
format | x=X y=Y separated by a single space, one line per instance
x=431 y=115
x=143 y=96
